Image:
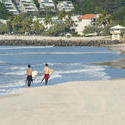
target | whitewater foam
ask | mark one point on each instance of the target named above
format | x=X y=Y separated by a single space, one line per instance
x=55 y=53
x=23 y=47
x=2 y=62
x=16 y=73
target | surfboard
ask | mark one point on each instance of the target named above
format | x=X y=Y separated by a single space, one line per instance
x=51 y=71
x=34 y=73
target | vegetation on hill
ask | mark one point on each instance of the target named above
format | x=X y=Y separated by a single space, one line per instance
x=114 y=7
x=4 y=14
x=37 y=3
x=21 y=24
x=90 y=6
x=111 y=13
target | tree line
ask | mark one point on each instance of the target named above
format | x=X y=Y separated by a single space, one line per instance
x=24 y=23
x=21 y=24
x=115 y=7
x=4 y=13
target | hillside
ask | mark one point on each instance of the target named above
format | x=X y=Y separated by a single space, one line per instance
x=115 y=7
x=4 y=14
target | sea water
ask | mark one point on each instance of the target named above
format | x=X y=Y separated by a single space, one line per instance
x=68 y=63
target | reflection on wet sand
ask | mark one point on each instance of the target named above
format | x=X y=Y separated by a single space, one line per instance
x=114 y=64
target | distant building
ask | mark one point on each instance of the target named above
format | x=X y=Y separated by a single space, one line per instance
x=10 y=6
x=65 y=5
x=47 y=5
x=26 y=6
x=2 y=21
x=85 y=20
x=117 y=32
x=19 y=6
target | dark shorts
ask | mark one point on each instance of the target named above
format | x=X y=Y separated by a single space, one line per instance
x=29 y=78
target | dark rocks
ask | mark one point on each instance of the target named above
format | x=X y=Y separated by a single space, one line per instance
x=20 y=42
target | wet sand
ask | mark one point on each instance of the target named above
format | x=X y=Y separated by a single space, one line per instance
x=119 y=48
x=73 y=103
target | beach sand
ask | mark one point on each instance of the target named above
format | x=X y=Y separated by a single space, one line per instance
x=73 y=103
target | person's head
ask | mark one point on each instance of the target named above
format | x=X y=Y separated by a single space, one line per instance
x=29 y=66
x=46 y=64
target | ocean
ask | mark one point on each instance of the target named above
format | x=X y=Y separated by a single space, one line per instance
x=68 y=63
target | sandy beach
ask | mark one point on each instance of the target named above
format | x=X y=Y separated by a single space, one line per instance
x=73 y=103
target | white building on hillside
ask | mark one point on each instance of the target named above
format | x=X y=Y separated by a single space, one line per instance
x=65 y=5
x=85 y=20
x=47 y=5
x=26 y=6
x=2 y=21
x=10 y=6
x=20 y=6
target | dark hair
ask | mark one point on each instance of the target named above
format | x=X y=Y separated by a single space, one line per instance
x=29 y=66
x=46 y=64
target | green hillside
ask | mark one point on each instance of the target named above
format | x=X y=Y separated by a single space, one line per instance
x=4 y=14
x=114 y=7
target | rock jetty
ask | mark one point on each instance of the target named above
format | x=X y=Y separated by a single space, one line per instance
x=13 y=40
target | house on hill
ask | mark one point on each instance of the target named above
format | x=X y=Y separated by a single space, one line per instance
x=85 y=20
x=47 y=5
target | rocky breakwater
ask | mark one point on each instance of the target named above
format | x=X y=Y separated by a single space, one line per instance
x=56 y=41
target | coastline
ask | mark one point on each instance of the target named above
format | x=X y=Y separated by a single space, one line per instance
x=72 y=103
x=90 y=102
x=119 y=48
x=22 y=40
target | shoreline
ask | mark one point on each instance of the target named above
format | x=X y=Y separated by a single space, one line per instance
x=120 y=63
x=99 y=102
x=90 y=102
x=14 y=40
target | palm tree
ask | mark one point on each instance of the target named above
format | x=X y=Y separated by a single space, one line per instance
x=17 y=24
x=61 y=14
x=69 y=23
x=48 y=20
x=26 y=25
x=37 y=27
x=104 y=19
x=9 y=24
